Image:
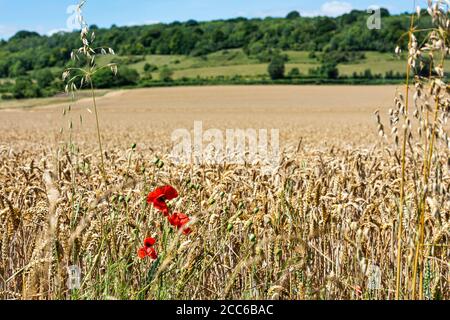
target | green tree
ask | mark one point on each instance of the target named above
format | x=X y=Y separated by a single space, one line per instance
x=44 y=78
x=294 y=73
x=3 y=69
x=218 y=36
x=293 y=15
x=24 y=35
x=276 y=68
x=25 y=88
x=329 y=70
x=368 y=74
x=104 y=78
x=165 y=74
x=17 y=69
x=148 y=67
x=191 y=23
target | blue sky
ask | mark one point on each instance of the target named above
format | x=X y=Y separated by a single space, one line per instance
x=47 y=16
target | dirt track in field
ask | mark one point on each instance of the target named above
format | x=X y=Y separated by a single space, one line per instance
x=321 y=115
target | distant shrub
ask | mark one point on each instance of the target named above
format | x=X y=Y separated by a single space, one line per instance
x=44 y=78
x=166 y=74
x=294 y=73
x=312 y=55
x=329 y=70
x=343 y=56
x=104 y=78
x=276 y=68
x=26 y=88
x=268 y=55
x=368 y=74
x=148 y=67
x=7 y=96
x=148 y=76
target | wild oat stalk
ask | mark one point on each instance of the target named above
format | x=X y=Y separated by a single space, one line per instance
x=437 y=43
x=420 y=57
x=402 y=183
x=83 y=75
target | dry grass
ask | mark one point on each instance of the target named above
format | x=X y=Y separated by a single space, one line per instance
x=344 y=216
x=313 y=230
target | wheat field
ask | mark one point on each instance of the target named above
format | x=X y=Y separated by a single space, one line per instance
x=322 y=226
x=93 y=205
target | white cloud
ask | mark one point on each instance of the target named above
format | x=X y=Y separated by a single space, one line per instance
x=7 y=31
x=53 y=31
x=329 y=8
x=335 y=8
x=135 y=23
x=150 y=22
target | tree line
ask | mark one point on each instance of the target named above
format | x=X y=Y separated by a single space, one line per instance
x=24 y=54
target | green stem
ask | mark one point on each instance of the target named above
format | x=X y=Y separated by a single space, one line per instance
x=98 y=131
x=402 y=184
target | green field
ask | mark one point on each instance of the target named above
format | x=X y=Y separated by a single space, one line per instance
x=229 y=63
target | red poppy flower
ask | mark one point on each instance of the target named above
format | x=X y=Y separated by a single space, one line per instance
x=151 y=252
x=184 y=219
x=187 y=231
x=142 y=253
x=174 y=220
x=149 y=242
x=179 y=220
x=159 y=196
x=147 y=250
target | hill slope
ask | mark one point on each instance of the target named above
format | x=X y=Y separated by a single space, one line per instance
x=225 y=49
